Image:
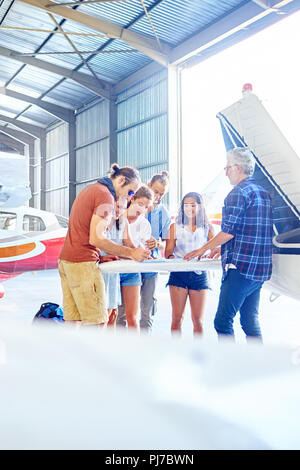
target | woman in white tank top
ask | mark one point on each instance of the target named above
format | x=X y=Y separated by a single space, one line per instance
x=190 y=231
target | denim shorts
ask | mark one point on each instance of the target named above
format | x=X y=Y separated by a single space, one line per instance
x=130 y=279
x=189 y=280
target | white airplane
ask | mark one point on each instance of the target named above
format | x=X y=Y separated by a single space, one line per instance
x=30 y=240
x=246 y=123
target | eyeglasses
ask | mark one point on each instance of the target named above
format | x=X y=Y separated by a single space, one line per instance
x=229 y=166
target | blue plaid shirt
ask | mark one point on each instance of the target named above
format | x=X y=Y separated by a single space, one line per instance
x=247 y=215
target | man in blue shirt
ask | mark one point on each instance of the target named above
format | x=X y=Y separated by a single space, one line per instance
x=246 y=246
x=160 y=221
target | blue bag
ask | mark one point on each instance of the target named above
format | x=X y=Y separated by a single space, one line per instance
x=50 y=311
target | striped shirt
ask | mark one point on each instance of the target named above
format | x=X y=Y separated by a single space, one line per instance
x=247 y=215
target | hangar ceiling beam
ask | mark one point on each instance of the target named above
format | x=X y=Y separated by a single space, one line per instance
x=147 y=46
x=30 y=129
x=82 y=79
x=18 y=135
x=58 y=111
x=236 y=21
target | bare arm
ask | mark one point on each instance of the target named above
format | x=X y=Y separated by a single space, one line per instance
x=153 y=243
x=211 y=232
x=127 y=238
x=98 y=239
x=171 y=242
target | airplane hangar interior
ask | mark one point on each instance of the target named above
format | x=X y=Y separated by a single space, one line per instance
x=85 y=84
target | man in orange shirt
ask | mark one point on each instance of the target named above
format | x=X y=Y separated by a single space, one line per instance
x=81 y=279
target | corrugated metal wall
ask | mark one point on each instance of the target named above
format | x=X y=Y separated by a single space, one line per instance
x=57 y=170
x=143 y=126
x=35 y=165
x=92 y=144
x=142 y=139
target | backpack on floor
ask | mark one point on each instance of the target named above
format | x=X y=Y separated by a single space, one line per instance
x=50 y=311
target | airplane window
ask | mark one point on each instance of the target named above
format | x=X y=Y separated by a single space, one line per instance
x=63 y=221
x=32 y=223
x=8 y=221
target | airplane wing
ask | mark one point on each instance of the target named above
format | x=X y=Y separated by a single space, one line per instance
x=179 y=394
x=159 y=265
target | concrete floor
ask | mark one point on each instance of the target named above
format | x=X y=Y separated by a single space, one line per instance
x=280 y=320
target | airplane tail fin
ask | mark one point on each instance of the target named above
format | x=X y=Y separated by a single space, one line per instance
x=248 y=124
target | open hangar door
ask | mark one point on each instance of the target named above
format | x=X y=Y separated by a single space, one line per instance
x=213 y=85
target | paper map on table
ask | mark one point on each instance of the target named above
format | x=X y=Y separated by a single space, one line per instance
x=157 y=265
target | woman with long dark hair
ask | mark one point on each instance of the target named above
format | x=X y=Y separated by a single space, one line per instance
x=191 y=229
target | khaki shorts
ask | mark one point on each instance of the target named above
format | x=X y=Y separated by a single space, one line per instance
x=83 y=292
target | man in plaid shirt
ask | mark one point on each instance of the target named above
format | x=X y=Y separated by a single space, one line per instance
x=245 y=245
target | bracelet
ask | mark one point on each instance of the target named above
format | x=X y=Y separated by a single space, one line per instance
x=172 y=254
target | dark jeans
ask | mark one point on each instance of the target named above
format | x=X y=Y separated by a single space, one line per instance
x=238 y=294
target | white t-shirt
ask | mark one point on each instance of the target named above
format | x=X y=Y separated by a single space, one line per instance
x=140 y=231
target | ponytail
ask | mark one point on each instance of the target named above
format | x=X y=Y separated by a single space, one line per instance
x=162 y=177
x=130 y=174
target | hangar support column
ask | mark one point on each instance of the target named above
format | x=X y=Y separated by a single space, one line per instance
x=31 y=159
x=113 y=138
x=72 y=161
x=174 y=137
x=43 y=171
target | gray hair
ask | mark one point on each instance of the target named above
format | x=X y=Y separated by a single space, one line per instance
x=242 y=156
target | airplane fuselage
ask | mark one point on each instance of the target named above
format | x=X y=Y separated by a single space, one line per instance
x=30 y=240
